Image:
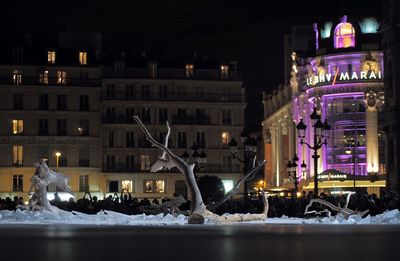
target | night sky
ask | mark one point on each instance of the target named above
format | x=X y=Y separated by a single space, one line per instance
x=247 y=31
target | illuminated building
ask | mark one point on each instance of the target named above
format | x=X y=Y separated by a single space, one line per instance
x=343 y=80
x=58 y=103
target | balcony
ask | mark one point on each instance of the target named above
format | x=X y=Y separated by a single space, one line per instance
x=216 y=168
x=118 y=119
x=174 y=96
x=119 y=168
x=191 y=120
x=30 y=81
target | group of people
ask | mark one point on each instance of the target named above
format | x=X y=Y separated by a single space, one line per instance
x=278 y=206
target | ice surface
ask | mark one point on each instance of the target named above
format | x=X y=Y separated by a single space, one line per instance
x=107 y=217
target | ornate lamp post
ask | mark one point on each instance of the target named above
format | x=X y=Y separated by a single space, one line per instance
x=250 y=150
x=320 y=138
x=352 y=149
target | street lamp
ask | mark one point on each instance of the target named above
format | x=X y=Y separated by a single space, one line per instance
x=320 y=138
x=292 y=172
x=58 y=155
x=199 y=159
x=352 y=149
x=250 y=150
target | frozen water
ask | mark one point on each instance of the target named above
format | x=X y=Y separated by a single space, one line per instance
x=107 y=217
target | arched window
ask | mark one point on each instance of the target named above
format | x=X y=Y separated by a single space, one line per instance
x=344 y=34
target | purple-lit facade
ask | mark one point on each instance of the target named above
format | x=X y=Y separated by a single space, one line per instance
x=344 y=82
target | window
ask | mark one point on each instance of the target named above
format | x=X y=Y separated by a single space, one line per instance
x=61 y=77
x=18 y=183
x=130 y=139
x=62 y=102
x=226 y=117
x=18 y=152
x=18 y=127
x=130 y=162
x=84 y=183
x=113 y=186
x=130 y=91
x=43 y=127
x=152 y=70
x=51 y=57
x=129 y=113
x=43 y=152
x=84 y=103
x=84 y=127
x=110 y=91
x=182 y=140
x=127 y=186
x=163 y=91
x=61 y=127
x=162 y=116
x=110 y=114
x=84 y=157
x=44 y=77
x=344 y=34
x=83 y=77
x=181 y=113
x=110 y=162
x=18 y=101
x=200 y=139
x=228 y=185
x=17 y=77
x=145 y=91
x=154 y=186
x=18 y=55
x=145 y=115
x=225 y=138
x=43 y=102
x=189 y=70
x=224 y=72
x=201 y=116
x=110 y=139
x=83 y=58
x=144 y=162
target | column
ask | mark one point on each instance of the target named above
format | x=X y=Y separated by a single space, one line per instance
x=372 y=101
x=273 y=155
x=278 y=153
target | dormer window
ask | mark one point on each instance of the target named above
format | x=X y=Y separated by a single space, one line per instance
x=189 y=70
x=51 y=57
x=83 y=58
x=224 y=72
x=17 y=77
x=344 y=34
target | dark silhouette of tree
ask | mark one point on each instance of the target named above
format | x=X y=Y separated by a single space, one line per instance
x=211 y=188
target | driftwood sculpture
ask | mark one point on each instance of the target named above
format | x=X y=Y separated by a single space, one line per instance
x=198 y=212
x=345 y=211
x=43 y=177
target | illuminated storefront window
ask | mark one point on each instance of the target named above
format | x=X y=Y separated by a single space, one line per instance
x=127 y=186
x=154 y=186
x=18 y=127
x=344 y=35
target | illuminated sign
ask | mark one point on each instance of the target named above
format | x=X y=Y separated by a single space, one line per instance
x=343 y=76
x=332 y=174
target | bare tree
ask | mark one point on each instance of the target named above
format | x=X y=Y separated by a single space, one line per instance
x=198 y=212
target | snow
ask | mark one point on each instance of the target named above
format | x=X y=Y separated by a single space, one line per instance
x=107 y=217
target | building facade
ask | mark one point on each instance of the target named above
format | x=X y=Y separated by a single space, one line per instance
x=67 y=104
x=343 y=83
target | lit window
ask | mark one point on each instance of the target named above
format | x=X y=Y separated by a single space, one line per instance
x=17 y=77
x=344 y=34
x=127 y=186
x=18 y=152
x=83 y=58
x=225 y=137
x=18 y=182
x=228 y=185
x=51 y=57
x=18 y=127
x=61 y=77
x=154 y=186
x=44 y=77
x=224 y=71
x=189 y=70
x=144 y=162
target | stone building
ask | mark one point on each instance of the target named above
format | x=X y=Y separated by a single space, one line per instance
x=343 y=81
x=68 y=102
